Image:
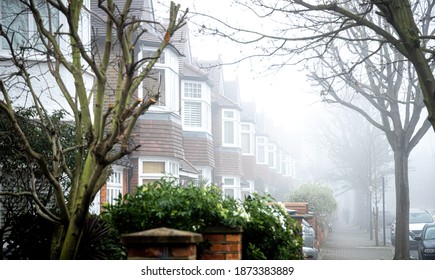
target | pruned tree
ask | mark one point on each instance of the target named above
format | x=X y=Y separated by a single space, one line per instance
x=50 y=60
x=298 y=31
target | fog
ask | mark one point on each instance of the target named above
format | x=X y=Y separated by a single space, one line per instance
x=290 y=100
x=318 y=162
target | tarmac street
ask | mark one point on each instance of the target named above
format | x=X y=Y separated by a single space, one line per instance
x=349 y=242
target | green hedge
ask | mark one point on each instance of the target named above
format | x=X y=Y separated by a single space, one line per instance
x=268 y=232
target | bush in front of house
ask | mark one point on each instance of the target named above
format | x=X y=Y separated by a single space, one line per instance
x=269 y=233
x=165 y=203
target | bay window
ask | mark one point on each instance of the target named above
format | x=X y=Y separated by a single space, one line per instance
x=163 y=79
x=153 y=170
x=231 y=187
x=196 y=110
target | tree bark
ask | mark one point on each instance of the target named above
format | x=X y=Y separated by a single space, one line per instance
x=399 y=14
x=402 y=203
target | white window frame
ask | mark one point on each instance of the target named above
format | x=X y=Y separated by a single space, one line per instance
x=247 y=129
x=272 y=155
x=192 y=115
x=205 y=174
x=249 y=189
x=114 y=185
x=84 y=32
x=168 y=62
x=30 y=33
x=233 y=186
x=286 y=165
x=262 y=142
x=196 y=90
x=171 y=168
x=279 y=154
x=21 y=34
x=84 y=27
x=234 y=120
x=202 y=100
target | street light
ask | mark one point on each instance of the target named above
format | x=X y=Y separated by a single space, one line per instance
x=370 y=213
x=383 y=210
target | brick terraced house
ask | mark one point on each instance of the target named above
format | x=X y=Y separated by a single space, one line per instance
x=200 y=130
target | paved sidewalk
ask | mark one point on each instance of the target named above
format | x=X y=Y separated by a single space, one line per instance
x=349 y=242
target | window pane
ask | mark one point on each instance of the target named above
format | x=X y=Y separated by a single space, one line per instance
x=14 y=22
x=229 y=132
x=153 y=167
x=229 y=114
x=229 y=182
x=192 y=114
x=246 y=127
x=192 y=90
x=229 y=192
x=261 y=154
x=149 y=54
x=246 y=143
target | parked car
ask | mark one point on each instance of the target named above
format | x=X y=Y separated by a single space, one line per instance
x=308 y=236
x=426 y=242
x=417 y=220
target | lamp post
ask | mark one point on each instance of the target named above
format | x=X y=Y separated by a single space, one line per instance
x=370 y=213
x=383 y=211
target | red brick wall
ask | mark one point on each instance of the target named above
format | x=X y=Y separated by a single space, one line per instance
x=249 y=164
x=228 y=161
x=224 y=245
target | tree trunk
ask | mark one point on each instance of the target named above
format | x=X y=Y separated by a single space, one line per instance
x=402 y=204
x=361 y=207
x=400 y=15
x=80 y=208
x=57 y=241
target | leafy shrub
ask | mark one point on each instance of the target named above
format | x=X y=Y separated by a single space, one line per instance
x=99 y=241
x=268 y=232
x=165 y=204
x=320 y=198
x=29 y=238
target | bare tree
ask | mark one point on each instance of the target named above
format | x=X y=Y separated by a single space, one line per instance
x=357 y=158
x=387 y=83
x=298 y=27
x=297 y=31
x=57 y=64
